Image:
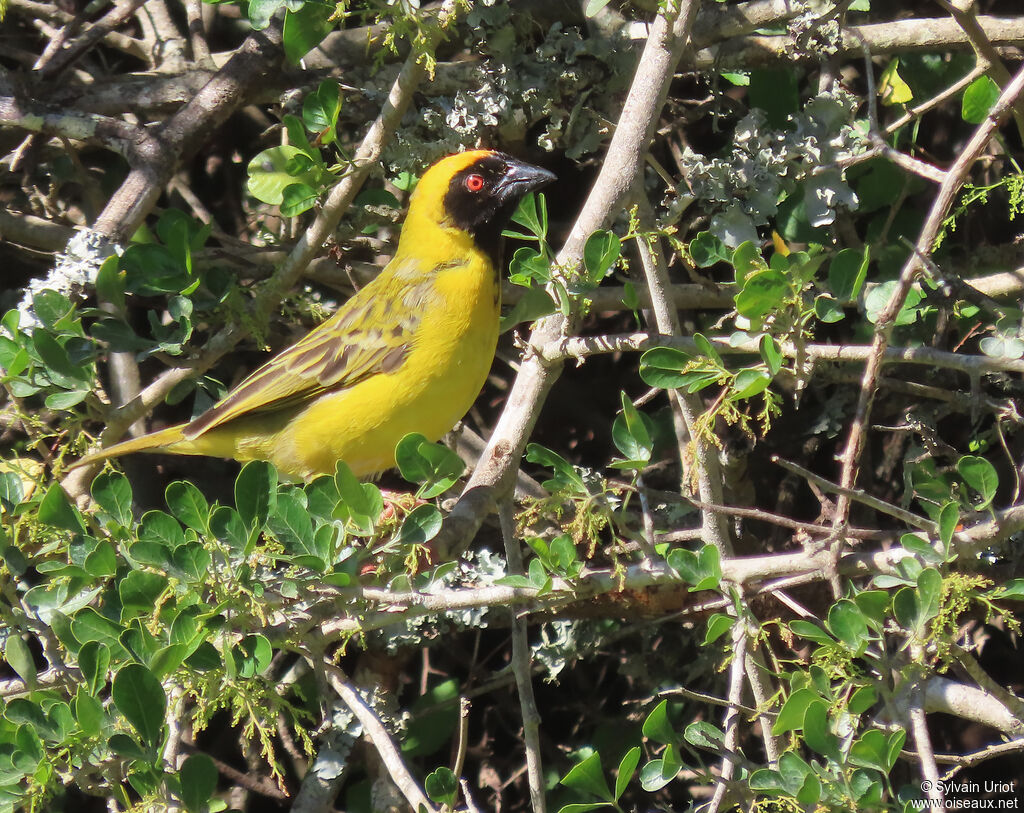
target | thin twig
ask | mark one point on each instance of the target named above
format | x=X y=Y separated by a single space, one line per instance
x=521 y=667
x=687 y=407
x=886 y=320
x=859 y=496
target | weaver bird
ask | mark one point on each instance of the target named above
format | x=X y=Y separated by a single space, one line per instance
x=408 y=353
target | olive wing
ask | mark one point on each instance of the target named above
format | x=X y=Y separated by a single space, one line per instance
x=371 y=334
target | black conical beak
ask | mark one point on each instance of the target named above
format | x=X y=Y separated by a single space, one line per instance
x=520 y=178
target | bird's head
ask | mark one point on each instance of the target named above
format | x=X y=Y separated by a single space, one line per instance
x=475 y=192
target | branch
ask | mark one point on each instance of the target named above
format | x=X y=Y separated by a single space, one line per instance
x=380 y=738
x=622 y=165
x=882 y=38
x=58 y=56
x=732 y=713
x=955 y=178
x=580 y=347
x=687 y=407
x=919 y=731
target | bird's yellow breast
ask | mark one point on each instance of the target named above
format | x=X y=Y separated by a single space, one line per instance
x=447 y=363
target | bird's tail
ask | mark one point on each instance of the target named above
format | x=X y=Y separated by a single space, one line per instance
x=153 y=442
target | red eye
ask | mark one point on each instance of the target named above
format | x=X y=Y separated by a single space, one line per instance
x=474 y=183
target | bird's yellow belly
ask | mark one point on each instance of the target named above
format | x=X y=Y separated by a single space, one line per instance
x=429 y=393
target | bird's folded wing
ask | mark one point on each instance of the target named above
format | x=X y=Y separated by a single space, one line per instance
x=369 y=335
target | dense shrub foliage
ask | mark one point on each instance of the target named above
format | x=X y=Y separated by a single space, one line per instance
x=734 y=524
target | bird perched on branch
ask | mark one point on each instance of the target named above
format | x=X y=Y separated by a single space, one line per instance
x=408 y=353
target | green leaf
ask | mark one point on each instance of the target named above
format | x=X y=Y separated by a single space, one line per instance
x=256 y=493
x=226 y=524
x=981 y=476
x=978 y=99
x=139 y=591
x=874 y=604
x=600 y=253
x=421 y=525
x=870 y=750
x=57 y=511
x=663 y=367
x=658 y=727
x=94 y=660
x=701 y=569
x=592 y=9
x=565 y=475
x=436 y=467
x=125 y=746
x=765 y=780
x=88 y=625
x=290 y=522
x=297 y=198
x=361 y=503
x=189 y=505
x=828 y=310
x=703 y=734
x=816 y=731
x=269 y=174
x=587 y=777
x=771 y=354
x=529 y=266
x=862 y=699
x=161 y=529
x=533 y=303
x=138 y=695
x=320 y=110
x=1014 y=588
x=198 y=779
x=793 y=771
x=12 y=490
x=531 y=214
x=707 y=250
x=847 y=272
x=255 y=655
x=55 y=357
x=718 y=625
x=435 y=716
x=632 y=432
x=762 y=293
x=707 y=349
x=51 y=307
x=442 y=786
x=88 y=712
x=791 y=715
x=19 y=658
x=627 y=767
x=810 y=792
x=749 y=382
x=905 y=608
x=895 y=745
x=929 y=595
x=922 y=547
x=65 y=400
x=305 y=29
x=260 y=12
x=810 y=631
x=847 y=623
x=655 y=775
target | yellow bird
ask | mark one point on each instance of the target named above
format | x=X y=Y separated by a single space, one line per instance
x=407 y=353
